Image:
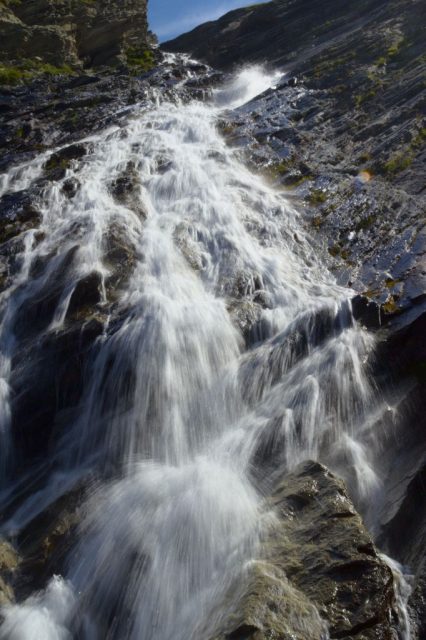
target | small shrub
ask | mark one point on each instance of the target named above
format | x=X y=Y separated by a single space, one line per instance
x=317 y=197
x=140 y=59
x=397 y=163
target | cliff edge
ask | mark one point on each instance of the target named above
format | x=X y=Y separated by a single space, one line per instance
x=81 y=33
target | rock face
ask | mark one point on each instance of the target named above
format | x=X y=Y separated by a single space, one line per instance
x=317 y=569
x=403 y=532
x=73 y=31
x=345 y=134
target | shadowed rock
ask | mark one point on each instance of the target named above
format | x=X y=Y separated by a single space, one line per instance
x=317 y=568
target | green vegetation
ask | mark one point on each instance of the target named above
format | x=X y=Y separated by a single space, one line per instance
x=57 y=163
x=331 y=63
x=140 y=59
x=376 y=74
x=317 y=222
x=390 y=283
x=396 y=47
x=28 y=69
x=336 y=250
x=11 y=75
x=398 y=163
x=317 y=197
x=390 y=306
x=380 y=62
x=404 y=157
x=360 y=98
x=391 y=52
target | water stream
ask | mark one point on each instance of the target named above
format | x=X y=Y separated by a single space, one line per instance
x=177 y=413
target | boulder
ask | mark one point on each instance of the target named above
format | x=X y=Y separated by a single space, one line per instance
x=46 y=541
x=9 y=562
x=57 y=164
x=317 y=568
x=126 y=189
x=58 y=376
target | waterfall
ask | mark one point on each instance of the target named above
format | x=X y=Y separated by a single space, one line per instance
x=180 y=424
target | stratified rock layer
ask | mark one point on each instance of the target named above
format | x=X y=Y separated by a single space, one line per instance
x=72 y=31
x=317 y=569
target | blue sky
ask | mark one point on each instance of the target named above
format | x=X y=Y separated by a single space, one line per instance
x=168 y=18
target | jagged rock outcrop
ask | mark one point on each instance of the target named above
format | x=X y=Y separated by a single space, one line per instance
x=344 y=134
x=317 y=569
x=73 y=32
x=33 y=120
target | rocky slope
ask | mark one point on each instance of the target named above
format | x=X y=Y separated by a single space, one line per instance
x=317 y=532
x=345 y=140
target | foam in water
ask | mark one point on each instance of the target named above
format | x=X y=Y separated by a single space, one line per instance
x=249 y=83
x=45 y=615
x=173 y=404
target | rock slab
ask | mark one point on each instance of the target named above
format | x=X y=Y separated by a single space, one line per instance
x=317 y=569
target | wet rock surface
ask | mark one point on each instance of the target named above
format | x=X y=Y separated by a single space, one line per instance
x=9 y=562
x=403 y=531
x=54 y=131
x=345 y=133
x=318 y=568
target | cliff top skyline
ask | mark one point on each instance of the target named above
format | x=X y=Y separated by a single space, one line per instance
x=169 y=21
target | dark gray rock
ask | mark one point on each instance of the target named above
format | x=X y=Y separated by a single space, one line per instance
x=410 y=523
x=9 y=562
x=317 y=567
x=367 y=312
x=119 y=257
x=18 y=213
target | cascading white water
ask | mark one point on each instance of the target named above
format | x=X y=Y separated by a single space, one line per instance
x=174 y=404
